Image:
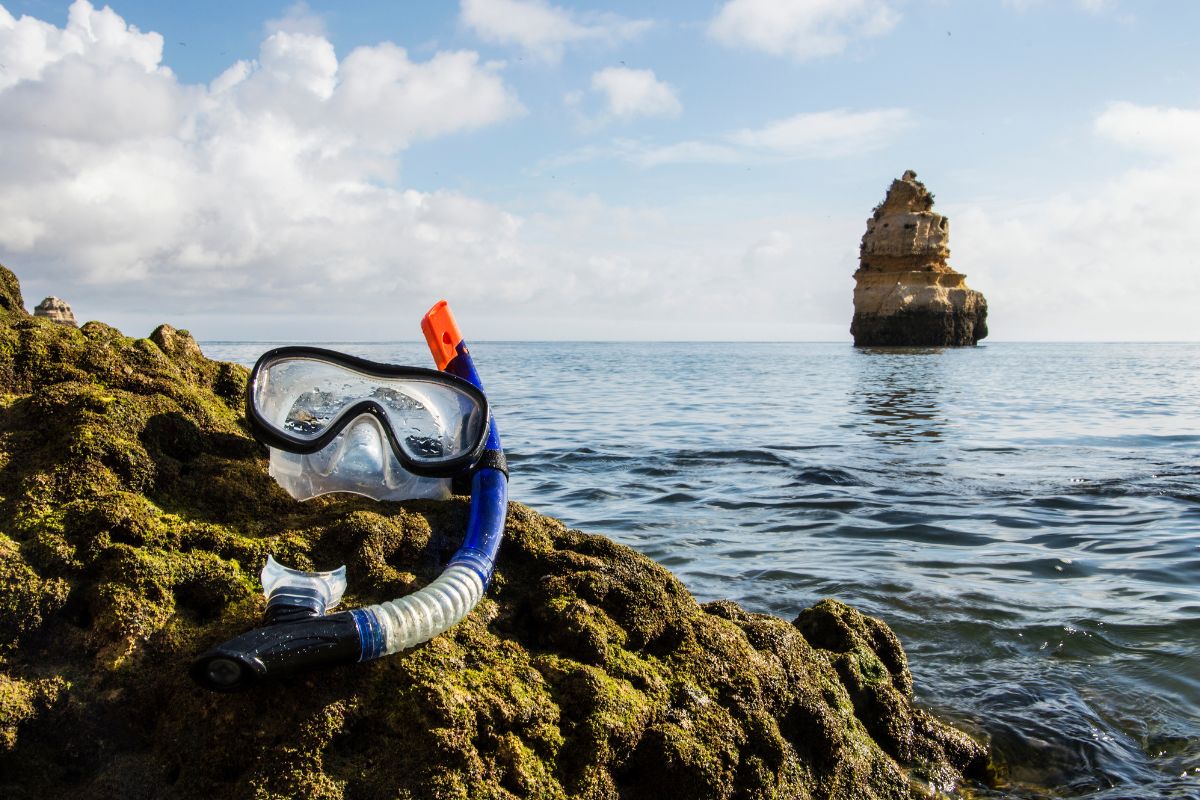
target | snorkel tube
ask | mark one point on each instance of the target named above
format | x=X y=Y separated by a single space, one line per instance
x=418 y=617
x=299 y=635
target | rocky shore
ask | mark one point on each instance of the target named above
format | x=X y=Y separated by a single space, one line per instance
x=905 y=292
x=136 y=511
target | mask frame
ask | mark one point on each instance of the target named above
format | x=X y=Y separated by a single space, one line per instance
x=269 y=433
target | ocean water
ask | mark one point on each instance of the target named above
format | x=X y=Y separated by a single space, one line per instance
x=1025 y=516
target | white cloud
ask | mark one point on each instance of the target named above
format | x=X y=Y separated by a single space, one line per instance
x=298 y=18
x=687 y=152
x=827 y=134
x=385 y=96
x=544 y=30
x=272 y=183
x=772 y=250
x=1114 y=262
x=838 y=133
x=801 y=29
x=30 y=45
x=1091 y=6
x=636 y=93
x=692 y=271
x=1172 y=133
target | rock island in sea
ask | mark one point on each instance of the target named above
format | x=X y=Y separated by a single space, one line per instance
x=905 y=292
x=136 y=512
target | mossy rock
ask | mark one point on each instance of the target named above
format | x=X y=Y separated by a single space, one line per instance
x=136 y=511
x=11 y=301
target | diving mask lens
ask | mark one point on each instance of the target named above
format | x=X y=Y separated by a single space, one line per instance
x=326 y=405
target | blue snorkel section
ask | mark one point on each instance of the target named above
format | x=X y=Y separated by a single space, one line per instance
x=485 y=525
x=489 y=492
x=489 y=489
x=372 y=639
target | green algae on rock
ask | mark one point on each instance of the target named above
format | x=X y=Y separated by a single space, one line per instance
x=136 y=511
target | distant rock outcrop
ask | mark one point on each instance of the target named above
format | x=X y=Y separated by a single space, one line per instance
x=56 y=310
x=905 y=292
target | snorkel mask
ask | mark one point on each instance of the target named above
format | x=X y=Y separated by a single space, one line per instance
x=337 y=423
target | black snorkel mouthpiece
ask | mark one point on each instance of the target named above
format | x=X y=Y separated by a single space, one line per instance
x=298 y=634
x=278 y=649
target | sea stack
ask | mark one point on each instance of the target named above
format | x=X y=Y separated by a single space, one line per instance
x=905 y=292
x=56 y=310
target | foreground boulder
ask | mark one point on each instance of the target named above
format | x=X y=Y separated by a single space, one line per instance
x=135 y=513
x=905 y=292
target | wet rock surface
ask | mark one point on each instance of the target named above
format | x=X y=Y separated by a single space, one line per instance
x=136 y=512
x=56 y=310
x=906 y=293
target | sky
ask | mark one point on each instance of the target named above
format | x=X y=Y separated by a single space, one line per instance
x=595 y=171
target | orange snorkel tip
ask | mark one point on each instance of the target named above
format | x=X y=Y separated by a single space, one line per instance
x=441 y=333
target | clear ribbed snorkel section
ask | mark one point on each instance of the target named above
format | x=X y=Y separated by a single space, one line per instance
x=399 y=624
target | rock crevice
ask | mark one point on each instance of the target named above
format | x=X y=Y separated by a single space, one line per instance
x=906 y=293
